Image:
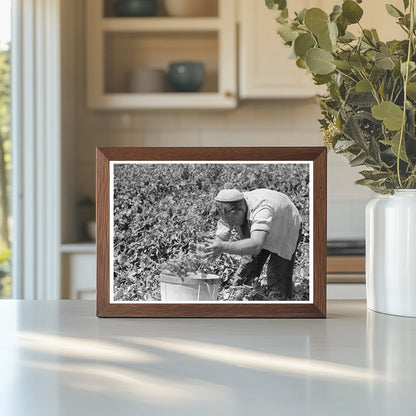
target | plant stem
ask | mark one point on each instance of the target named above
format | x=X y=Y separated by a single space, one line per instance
x=405 y=81
x=392 y=91
x=346 y=75
x=373 y=88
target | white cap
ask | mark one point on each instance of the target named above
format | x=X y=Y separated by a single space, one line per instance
x=229 y=195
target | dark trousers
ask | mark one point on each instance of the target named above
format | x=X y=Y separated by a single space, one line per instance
x=279 y=272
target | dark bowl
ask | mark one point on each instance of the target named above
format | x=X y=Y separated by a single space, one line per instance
x=135 y=8
x=186 y=76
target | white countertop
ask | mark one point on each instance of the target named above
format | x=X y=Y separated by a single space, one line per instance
x=57 y=358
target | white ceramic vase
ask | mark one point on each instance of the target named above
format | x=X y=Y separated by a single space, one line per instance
x=391 y=253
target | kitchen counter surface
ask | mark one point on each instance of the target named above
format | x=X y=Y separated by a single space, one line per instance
x=57 y=358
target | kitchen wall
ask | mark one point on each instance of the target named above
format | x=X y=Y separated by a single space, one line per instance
x=253 y=123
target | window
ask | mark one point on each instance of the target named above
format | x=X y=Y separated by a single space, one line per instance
x=5 y=147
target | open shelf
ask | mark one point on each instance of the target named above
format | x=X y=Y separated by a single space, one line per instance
x=209 y=9
x=160 y=24
x=127 y=51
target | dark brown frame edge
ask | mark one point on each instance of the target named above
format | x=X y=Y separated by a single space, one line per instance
x=317 y=309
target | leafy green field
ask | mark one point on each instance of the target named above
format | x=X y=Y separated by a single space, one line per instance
x=161 y=210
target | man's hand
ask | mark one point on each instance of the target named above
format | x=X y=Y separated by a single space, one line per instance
x=214 y=250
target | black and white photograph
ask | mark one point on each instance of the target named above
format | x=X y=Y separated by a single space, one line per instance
x=211 y=231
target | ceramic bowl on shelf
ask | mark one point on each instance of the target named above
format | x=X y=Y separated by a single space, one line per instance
x=186 y=76
x=135 y=8
x=191 y=8
x=147 y=80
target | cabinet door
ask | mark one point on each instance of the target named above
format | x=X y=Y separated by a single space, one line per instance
x=78 y=276
x=266 y=71
x=376 y=17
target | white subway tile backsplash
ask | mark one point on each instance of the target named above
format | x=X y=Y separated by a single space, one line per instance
x=202 y=120
x=338 y=160
x=259 y=123
x=243 y=117
x=346 y=219
x=99 y=120
x=341 y=180
x=228 y=138
x=88 y=140
x=170 y=138
x=278 y=117
x=281 y=137
x=306 y=114
x=130 y=139
x=156 y=119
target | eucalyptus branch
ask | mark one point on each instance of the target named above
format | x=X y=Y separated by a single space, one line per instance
x=358 y=45
x=341 y=48
x=369 y=40
x=398 y=95
x=409 y=134
x=405 y=81
x=346 y=75
x=404 y=28
x=361 y=59
x=392 y=91
x=373 y=88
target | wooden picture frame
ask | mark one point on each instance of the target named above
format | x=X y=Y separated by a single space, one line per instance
x=121 y=177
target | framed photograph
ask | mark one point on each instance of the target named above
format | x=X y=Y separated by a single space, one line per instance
x=211 y=232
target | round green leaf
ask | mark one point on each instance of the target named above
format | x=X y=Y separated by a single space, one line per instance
x=301 y=63
x=336 y=12
x=333 y=32
x=324 y=41
x=411 y=90
x=363 y=86
x=412 y=67
x=351 y=11
x=393 y=11
x=322 y=79
x=316 y=20
x=287 y=33
x=328 y=38
x=303 y=43
x=342 y=25
x=384 y=62
x=301 y=15
x=375 y=35
x=358 y=61
x=276 y=4
x=395 y=144
x=319 y=61
x=391 y=114
x=344 y=65
x=347 y=37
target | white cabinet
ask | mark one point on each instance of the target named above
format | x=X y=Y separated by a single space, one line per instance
x=78 y=263
x=79 y=280
x=265 y=70
x=118 y=45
